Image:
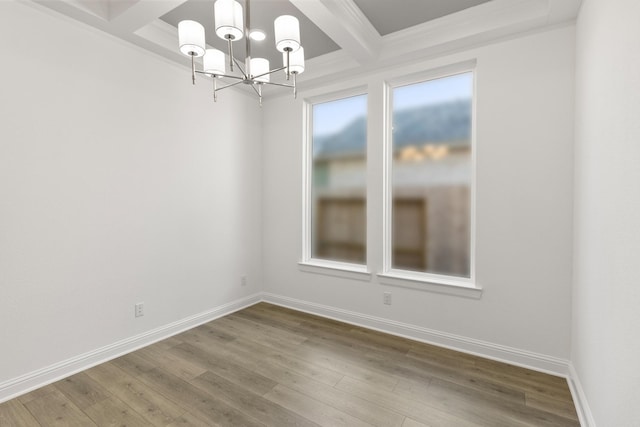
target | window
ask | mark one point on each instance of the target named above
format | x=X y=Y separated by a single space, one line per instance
x=338 y=177
x=408 y=185
x=430 y=177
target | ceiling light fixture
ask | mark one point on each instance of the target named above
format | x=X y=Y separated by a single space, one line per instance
x=229 y=26
x=257 y=35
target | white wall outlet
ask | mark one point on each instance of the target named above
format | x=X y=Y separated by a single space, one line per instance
x=243 y=280
x=139 y=309
x=386 y=298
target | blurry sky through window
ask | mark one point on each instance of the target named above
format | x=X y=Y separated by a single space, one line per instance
x=331 y=117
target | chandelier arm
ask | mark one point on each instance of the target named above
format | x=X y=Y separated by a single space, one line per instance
x=245 y=75
x=226 y=76
x=279 y=84
x=269 y=72
x=229 y=85
x=255 y=90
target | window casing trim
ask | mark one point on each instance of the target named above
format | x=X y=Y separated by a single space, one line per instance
x=336 y=269
x=392 y=276
x=307 y=170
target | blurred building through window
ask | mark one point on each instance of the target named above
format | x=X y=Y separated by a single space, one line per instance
x=338 y=182
x=431 y=176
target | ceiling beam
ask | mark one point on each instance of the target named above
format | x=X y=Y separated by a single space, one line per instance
x=139 y=13
x=346 y=25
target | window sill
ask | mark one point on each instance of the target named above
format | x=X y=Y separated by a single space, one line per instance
x=430 y=284
x=336 y=269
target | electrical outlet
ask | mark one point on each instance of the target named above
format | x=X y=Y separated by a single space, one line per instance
x=243 y=280
x=386 y=298
x=139 y=309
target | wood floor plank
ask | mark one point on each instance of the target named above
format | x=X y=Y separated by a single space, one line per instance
x=178 y=366
x=410 y=422
x=320 y=413
x=169 y=342
x=188 y=420
x=301 y=366
x=272 y=318
x=560 y=407
x=285 y=375
x=348 y=403
x=491 y=410
x=418 y=410
x=82 y=390
x=55 y=409
x=336 y=359
x=42 y=391
x=14 y=414
x=262 y=335
x=381 y=340
x=266 y=329
x=196 y=401
x=133 y=362
x=153 y=406
x=469 y=377
x=250 y=403
x=239 y=373
x=113 y=412
x=351 y=338
x=214 y=334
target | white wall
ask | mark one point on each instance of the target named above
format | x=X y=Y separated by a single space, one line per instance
x=119 y=183
x=606 y=314
x=524 y=209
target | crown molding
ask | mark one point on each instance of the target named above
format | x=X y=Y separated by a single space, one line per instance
x=498 y=16
x=363 y=51
x=487 y=23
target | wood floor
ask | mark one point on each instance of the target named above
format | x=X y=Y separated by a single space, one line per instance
x=266 y=365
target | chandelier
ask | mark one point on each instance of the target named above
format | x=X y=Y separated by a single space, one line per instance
x=229 y=26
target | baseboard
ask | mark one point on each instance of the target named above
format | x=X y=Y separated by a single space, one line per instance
x=32 y=380
x=580 y=399
x=555 y=366
x=513 y=356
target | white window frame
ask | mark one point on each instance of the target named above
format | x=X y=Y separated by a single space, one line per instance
x=308 y=263
x=422 y=280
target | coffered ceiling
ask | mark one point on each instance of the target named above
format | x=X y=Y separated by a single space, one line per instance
x=338 y=35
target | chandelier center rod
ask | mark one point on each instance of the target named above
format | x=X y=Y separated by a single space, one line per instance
x=247 y=29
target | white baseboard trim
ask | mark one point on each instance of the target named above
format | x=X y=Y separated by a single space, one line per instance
x=41 y=377
x=580 y=399
x=513 y=356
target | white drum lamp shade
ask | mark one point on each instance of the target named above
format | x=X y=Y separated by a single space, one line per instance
x=296 y=61
x=228 y=19
x=287 y=31
x=214 y=62
x=260 y=66
x=191 y=38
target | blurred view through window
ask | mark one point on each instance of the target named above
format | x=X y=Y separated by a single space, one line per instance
x=338 y=187
x=431 y=176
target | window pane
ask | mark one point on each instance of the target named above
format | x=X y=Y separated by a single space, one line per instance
x=431 y=176
x=338 y=187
